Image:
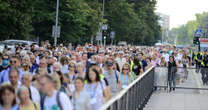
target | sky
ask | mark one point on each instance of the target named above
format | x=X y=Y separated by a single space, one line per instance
x=181 y=11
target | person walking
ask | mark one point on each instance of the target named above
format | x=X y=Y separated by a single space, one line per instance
x=204 y=69
x=25 y=102
x=172 y=69
x=80 y=98
x=7 y=97
x=53 y=100
x=96 y=88
x=198 y=60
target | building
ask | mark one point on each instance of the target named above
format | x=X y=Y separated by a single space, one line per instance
x=164 y=21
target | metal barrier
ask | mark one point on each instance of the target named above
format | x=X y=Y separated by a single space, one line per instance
x=183 y=78
x=135 y=96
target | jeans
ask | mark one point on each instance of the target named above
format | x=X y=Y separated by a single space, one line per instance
x=204 y=72
x=172 y=80
x=198 y=66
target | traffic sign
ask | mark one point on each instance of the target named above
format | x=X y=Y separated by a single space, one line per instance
x=112 y=35
x=203 y=39
x=105 y=27
x=99 y=36
x=198 y=33
x=56 y=32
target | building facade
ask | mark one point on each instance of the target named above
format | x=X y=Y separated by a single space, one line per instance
x=164 y=21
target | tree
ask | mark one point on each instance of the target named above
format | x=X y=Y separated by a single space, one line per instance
x=151 y=30
x=77 y=19
x=120 y=18
x=15 y=19
x=185 y=33
x=134 y=22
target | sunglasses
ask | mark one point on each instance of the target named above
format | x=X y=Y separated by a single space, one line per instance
x=25 y=65
x=125 y=69
x=42 y=63
x=13 y=62
x=71 y=66
x=5 y=59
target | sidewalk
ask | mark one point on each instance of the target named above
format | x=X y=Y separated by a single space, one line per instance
x=181 y=99
x=177 y=100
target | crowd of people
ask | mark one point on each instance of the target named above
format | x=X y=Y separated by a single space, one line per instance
x=76 y=77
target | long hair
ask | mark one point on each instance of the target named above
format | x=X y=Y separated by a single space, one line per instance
x=129 y=68
x=3 y=88
x=64 y=60
x=172 y=57
x=87 y=78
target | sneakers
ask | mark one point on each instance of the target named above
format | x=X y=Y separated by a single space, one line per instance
x=172 y=89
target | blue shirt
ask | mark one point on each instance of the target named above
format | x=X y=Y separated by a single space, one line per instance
x=144 y=64
x=15 y=107
x=125 y=80
x=34 y=67
x=4 y=75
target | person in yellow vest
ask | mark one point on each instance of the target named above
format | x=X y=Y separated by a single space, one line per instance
x=198 y=60
x=204 y=70
x=136 y=66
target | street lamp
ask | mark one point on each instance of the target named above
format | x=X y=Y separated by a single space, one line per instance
x=104 y=41
x=103 y=8
x=56 y=26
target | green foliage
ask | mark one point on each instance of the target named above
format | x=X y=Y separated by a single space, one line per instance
x=15 y=19
x=121 y=18
x=133 y=22
x=77 y=19
x=185 y=33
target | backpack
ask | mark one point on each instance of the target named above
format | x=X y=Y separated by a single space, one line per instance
x=116 y=76
x=36 y=108
x=101 y=84
x=57 y=100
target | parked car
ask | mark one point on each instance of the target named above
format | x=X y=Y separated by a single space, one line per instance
x=20 y=42
x=11 y=43
x=122 y=43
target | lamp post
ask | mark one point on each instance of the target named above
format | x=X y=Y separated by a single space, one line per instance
x=104 y=41
x=56 y=26
x=103 y=9
x=102 y=22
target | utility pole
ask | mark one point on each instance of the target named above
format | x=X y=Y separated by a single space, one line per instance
x=105 y=42
x=56 y=26
x=103 y=9
x=162 y=39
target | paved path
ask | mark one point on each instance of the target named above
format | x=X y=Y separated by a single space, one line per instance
x=177 y=100
x=181 y=99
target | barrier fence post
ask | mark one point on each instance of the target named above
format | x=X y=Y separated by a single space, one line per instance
x=134 y=96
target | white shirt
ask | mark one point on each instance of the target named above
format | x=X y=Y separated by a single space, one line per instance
x=166 y=56
x=64 y=69
x=120 y=62
x=37 y=60
x=179 y=57
x=50 y=103
x=35 y=94
x=96 y=91
x=82 y=102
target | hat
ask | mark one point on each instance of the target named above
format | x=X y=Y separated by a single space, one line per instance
x=41 y=48
x=101 y=51
x=121 y=52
